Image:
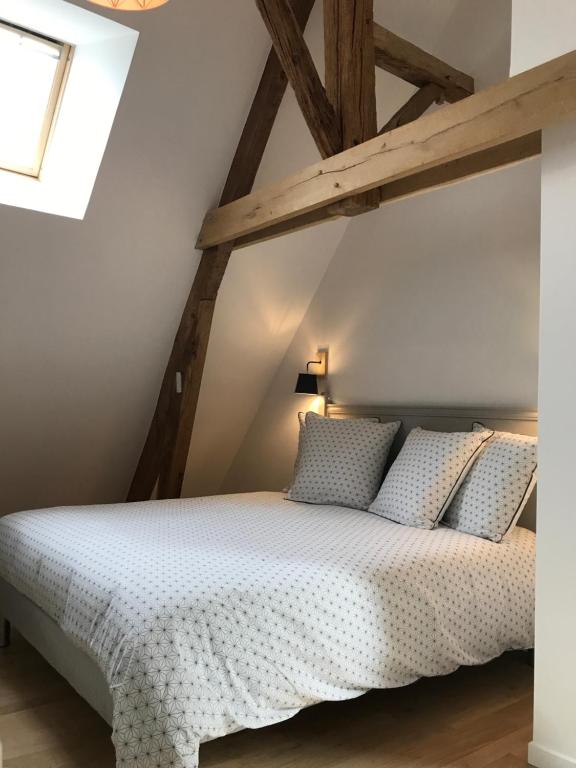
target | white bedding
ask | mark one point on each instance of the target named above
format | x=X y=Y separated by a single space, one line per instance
x=211 y=615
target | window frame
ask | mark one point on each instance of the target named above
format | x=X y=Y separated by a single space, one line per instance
x=103 y=53
x=66 y=52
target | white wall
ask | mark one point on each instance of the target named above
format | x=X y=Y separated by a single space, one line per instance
x=88 y=310
x=347 y=311
x=432 y=300
x=540 y=32
x=427 y=301
x=265 y=293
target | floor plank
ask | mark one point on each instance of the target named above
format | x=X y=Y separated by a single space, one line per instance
x=479 y=717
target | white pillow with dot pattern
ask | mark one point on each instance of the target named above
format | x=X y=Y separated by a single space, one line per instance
x=341 y=461
x=496 y=490
x=426 y=475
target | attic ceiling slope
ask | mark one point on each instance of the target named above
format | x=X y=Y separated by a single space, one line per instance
x=163 y=458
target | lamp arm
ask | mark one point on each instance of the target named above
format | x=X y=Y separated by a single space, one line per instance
x=312 y=362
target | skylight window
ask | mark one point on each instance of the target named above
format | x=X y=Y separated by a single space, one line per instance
x=33 y=76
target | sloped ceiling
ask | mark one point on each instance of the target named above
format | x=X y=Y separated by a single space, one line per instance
x=267 y=290
x=88 y=310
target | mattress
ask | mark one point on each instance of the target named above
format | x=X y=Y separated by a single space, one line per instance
x=210 y=615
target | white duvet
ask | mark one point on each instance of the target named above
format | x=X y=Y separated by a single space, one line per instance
x=211 y=615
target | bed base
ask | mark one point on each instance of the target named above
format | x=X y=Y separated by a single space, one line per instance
x=43 y=634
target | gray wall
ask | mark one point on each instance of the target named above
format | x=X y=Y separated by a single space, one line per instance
x=88 y=310
x=429 y=301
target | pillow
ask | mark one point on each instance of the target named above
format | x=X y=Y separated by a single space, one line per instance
x=341 y=461
x=496 y=490
x=427 y=473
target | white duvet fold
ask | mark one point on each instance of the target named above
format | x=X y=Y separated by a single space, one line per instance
x=215 y=614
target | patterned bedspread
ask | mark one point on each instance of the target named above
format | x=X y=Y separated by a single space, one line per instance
x=211 y=615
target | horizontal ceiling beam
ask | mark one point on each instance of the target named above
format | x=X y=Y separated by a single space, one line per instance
x=502 y=156
x=416 y=66
x=305 y=221
x=519 y=106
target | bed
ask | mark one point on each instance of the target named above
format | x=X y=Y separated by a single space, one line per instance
x=186 y=620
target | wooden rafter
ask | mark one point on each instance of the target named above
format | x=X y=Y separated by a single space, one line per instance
x=351 y=79
x=163 y=458
x=414 y=107
x=299 y=67
x=407 y=61
x=339 y=119
x=521 y=105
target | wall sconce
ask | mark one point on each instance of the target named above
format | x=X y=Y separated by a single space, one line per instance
x=307 y=383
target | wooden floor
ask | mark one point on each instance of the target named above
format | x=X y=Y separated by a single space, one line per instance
x=474 y=718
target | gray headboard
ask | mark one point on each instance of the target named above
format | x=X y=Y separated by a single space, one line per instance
x=446 y=420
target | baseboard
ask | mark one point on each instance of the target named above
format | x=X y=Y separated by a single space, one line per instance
x=547 y=758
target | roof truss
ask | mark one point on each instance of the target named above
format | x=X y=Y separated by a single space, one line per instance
x=507 y=112
x=360 y=170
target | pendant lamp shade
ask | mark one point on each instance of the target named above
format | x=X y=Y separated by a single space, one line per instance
x=130 y=5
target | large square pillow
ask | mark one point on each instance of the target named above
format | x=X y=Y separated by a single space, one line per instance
x=341 y=461
x=497 y=488
x=427 y=473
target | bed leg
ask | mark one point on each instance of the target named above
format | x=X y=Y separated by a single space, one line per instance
x=4 y=633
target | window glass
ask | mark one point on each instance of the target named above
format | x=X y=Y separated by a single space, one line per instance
x=32 y=72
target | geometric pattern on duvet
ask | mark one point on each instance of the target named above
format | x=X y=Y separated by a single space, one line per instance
x=216 y=614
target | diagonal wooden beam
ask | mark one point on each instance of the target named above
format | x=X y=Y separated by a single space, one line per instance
x=416 y=66
x=521 y=105
x=163 y=458
x=299 y=67
x=351 y=79
x=415 y=107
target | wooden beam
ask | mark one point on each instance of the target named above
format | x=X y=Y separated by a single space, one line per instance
x=414 y=107
x=350 y=68
x=351 y=79
x=306 y=221
x=192 y=354
x=163 y=458
x=456 y=171
x=489 y=160
x=521 y=105
x=299 y=67
x=406 y=60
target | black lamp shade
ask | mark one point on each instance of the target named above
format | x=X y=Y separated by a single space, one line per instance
x=307 y=384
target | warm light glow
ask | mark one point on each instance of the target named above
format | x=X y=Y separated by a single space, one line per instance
x=130 y=5
x=318 y=405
